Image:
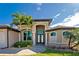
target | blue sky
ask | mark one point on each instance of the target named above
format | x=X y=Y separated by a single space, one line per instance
x=58 y=12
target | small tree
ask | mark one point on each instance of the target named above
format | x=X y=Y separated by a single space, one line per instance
x=76 y=34
x=73 y=36
x=69 y=36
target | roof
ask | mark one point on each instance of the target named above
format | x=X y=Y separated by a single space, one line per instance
x=42 y=19
x=59 y=28
x=8 y=27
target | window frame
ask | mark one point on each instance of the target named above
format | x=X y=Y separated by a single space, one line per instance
x=27 y=34
x=54 y=36
x=54 y=32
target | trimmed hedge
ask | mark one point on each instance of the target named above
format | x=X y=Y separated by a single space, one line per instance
x=23 y=43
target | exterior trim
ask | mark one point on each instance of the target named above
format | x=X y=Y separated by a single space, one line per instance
x=58 y=29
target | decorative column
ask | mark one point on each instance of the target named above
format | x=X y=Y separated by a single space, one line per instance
x=45 y=39
x=33 y=39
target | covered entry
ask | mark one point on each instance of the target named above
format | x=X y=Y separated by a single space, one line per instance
x=40 y=34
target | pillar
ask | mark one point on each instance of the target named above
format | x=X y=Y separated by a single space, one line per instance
x=33 y=39
x=45 y=39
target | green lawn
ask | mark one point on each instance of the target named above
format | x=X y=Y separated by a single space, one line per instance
x=52 y=52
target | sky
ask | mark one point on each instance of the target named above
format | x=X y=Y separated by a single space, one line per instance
x=58 y=12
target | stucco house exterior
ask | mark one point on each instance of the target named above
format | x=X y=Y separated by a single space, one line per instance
x=40 y=33
x=56 y=37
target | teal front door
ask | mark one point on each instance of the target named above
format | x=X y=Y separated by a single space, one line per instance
x=40 y=37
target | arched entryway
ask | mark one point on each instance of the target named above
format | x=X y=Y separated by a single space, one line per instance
x=40 y=34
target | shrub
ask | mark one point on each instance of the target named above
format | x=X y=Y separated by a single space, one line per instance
x=29 y=42
x=16 y=44
x=29 y=38
x=20 y=44
x=23 y=43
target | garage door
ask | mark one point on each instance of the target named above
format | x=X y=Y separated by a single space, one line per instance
x=2 y=40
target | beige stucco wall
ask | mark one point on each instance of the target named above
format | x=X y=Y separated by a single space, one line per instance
x=13 y=37
x=3 y=38
x=61 y=41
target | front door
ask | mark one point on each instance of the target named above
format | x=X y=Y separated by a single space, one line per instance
x=40 y=39
x=40 y=36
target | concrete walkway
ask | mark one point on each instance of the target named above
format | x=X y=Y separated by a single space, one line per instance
x=22 y=51
x=38 y=48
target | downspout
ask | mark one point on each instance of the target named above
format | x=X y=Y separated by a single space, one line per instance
x=7 y=38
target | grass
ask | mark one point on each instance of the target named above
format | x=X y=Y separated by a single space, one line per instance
x=52 y=52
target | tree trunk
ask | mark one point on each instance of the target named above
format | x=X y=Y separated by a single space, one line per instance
x=27 y=33
x=20 y=32
x=75 y=45
x=69 y=42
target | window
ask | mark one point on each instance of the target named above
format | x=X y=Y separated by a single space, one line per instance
x=40 y=31
x=27 y=35
x=53 y=34
x=65 y=33
x=53 y=37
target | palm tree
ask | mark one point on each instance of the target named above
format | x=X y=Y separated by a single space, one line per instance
x=18 y=20
x=21 y=19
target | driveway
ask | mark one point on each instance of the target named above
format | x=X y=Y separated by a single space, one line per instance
x=22 y=51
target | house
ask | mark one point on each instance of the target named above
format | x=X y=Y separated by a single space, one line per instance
x=40 y=33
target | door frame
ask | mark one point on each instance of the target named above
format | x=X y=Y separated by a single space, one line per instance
x=40 y=39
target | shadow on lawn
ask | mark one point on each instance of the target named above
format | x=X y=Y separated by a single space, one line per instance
x=10 y=51
x=53 y=52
